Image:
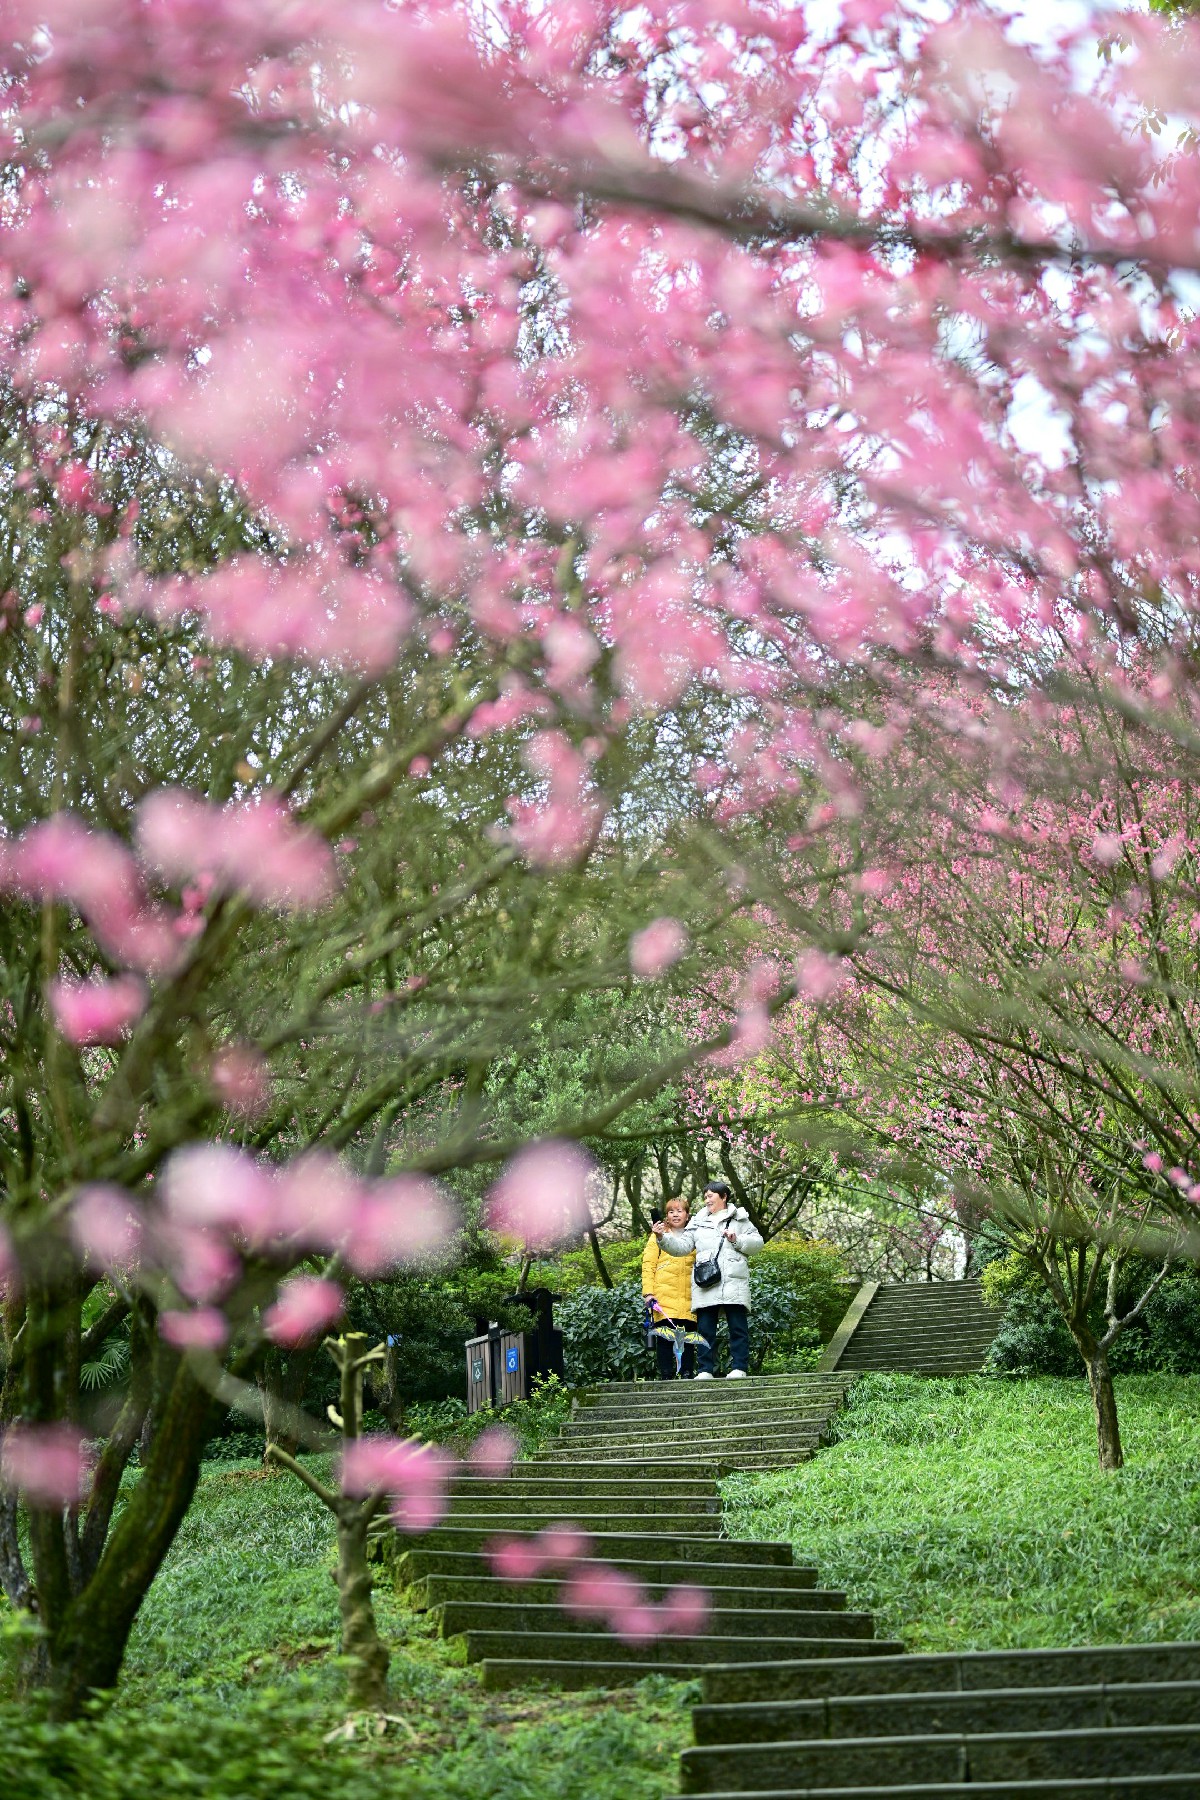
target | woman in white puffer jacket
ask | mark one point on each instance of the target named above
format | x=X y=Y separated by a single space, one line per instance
x=722 y=1233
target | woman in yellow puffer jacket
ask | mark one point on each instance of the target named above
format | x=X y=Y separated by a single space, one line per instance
x=667 y=1286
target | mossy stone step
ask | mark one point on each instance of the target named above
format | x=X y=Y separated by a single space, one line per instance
x=591 y=1517
x=726 y=1621
x=742 y=1594
x=654 y=1503
x=605 y=1648
x=735 y=1430
x=987 y=1710
x=723 y=1413
x=515 y=1671
x=632 y=1393
x=772 y=1579
x=561 y=1490
x=611 y=1546
x=1104 y=1787
x=964 y=1671
x=983 y=1756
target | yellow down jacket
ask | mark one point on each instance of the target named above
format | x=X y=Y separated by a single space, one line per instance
x=668 y=1279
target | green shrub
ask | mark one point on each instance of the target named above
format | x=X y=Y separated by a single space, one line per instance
x=1033 y=1338
x=816 y=1273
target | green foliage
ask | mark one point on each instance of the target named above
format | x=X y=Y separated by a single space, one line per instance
x=603 y=1339
x=816 y=1273
x=236 y=1701
x=970 y=1513
x=1033 y=1338
x=574 y=1269
x=533 y=1422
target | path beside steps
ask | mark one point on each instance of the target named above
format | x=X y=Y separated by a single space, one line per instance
x=637 y=1468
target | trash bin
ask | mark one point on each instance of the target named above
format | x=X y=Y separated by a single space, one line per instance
x=497 y=1368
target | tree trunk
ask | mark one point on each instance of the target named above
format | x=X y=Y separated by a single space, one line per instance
x=88 y=1647
x=598 y=1257
x=1104 y=1399
x=361 y=1641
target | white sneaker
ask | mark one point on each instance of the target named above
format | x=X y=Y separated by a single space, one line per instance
x=703 y=1376
x=736 y=1375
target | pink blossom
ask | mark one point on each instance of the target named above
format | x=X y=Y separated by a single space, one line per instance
x=204 y=1328
x=47 y=1465
x=306 y=1307
x=96 y=1012
x=493 y=1452
x=685 y=1611
x=657 y=947
x=517 y=1558
x=542 y=1195
x=399 y=1223
x=597 y=1591
x=1153 y=1161
x=107 y=1226
x=415 y=1476
x=635 y=1624
x=203 y=1267
x=819 y=976
x=1107 y=848
x=319 y=1202
x=220 y=1186
x=564 y=1544
x=241 y=1078
x=254 y=846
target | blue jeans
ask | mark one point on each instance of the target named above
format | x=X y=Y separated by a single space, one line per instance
x=738 y=1320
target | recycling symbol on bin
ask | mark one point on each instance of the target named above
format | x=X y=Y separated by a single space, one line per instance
x=477 y=1371
x=512 y=1360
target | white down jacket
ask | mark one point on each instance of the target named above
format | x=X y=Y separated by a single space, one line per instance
x=705 y=1234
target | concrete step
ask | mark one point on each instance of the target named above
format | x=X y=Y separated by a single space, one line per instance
x=504 y=1520
x=990 y=1756
x=986 y=1710
x=550 y=1485
x=635 y=1393
x=963 y=1671
x=602 y=1647
x=649 y=1418
x=731 y=1437
x=1104 y=1787
x=741 y=1595
x=541 y=1619
x=610 y=1546
x=769 y=1578
x=654 y=1503
x=516 y=1671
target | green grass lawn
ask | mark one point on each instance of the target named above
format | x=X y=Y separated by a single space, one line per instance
x=232 y=1687
x=970 y=1513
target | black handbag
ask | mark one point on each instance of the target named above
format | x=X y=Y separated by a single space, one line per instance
x=706 y=1274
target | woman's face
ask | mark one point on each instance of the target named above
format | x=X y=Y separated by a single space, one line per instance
x=715 y=1202
x=676 y=1214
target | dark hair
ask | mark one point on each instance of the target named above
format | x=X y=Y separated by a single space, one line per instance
x=718 y=1187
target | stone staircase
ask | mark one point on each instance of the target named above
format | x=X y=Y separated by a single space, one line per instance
x=637 y=1468
x=918 y=1328
x=800 y=1700
x=988 y=1725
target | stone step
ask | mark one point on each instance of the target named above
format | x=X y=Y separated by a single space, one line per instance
x=734 y=1462
x=959 y=1671
x=506 y=1672
x=634 y=1393
x=414 y=1566
x=602 y=1647
x=610 y=1546
x=549 y=1485
x=983 y=1756
x=731 y=1437
x=1104 y=1787
x=541 y=1619
x=988 y=1710
x=504 y=1520
x=740 y=1594
x=721 y=1406
x=654 y=1504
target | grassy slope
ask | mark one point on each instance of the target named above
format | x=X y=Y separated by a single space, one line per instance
x=970 y=1513
x=232 y=1685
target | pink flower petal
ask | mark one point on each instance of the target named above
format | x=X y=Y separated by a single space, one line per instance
x=493 y=1452
x=203 y=1329
x=47 y=1465
x=306 y=1307
x=542 y=1195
